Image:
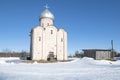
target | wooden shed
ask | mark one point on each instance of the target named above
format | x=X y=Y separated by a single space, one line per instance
x=98 y=54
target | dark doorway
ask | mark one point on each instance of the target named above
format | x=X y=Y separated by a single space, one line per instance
x=51 y=56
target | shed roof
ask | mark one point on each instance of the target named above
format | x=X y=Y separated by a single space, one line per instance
x=96 y=50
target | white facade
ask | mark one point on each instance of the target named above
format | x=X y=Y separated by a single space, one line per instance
x=46 y=39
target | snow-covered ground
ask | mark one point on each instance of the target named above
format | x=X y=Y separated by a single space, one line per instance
x=78 y=69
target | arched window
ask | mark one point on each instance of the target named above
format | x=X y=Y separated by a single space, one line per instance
x=39 y=38
x=44 y=29
x=61 y=39
x=51 y=31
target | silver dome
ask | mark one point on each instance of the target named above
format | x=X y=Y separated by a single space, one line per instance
x=47 y=14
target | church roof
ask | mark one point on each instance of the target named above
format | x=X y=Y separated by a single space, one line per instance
x=46 y=14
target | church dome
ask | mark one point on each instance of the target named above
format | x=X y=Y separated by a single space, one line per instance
x=47 y=14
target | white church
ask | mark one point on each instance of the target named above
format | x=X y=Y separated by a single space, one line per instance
x=47 y=41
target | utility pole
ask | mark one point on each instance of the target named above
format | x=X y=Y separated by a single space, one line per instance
x=112 y=53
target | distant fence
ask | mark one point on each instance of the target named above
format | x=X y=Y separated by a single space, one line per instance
x=2 y=54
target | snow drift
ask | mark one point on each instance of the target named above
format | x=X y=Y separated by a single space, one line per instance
x=9 y=60
x=78 y=69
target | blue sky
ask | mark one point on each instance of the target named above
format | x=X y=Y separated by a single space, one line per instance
x=91 y=24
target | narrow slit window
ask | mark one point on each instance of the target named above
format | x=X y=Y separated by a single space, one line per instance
x=44 y=29
x=61 y=39
x=51 y=31
x=39 y=38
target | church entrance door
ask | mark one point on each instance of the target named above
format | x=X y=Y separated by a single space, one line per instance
x=51 y=56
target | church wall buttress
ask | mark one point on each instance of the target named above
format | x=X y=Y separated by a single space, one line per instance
x=65 y=46
x=37 y=44
x=60 y=45
x=49 y=44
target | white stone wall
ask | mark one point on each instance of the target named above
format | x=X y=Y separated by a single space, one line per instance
x=60 y=45
x=46 y=22
x=49 y=41
x=37 y=43
x=65 y=46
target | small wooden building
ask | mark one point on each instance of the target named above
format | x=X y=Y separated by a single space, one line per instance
x=98 y=54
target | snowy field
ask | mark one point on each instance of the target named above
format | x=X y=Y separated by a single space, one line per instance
x=78 y=69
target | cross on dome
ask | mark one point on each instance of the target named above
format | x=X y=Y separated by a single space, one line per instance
x=46 y=13
x=46 y=6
